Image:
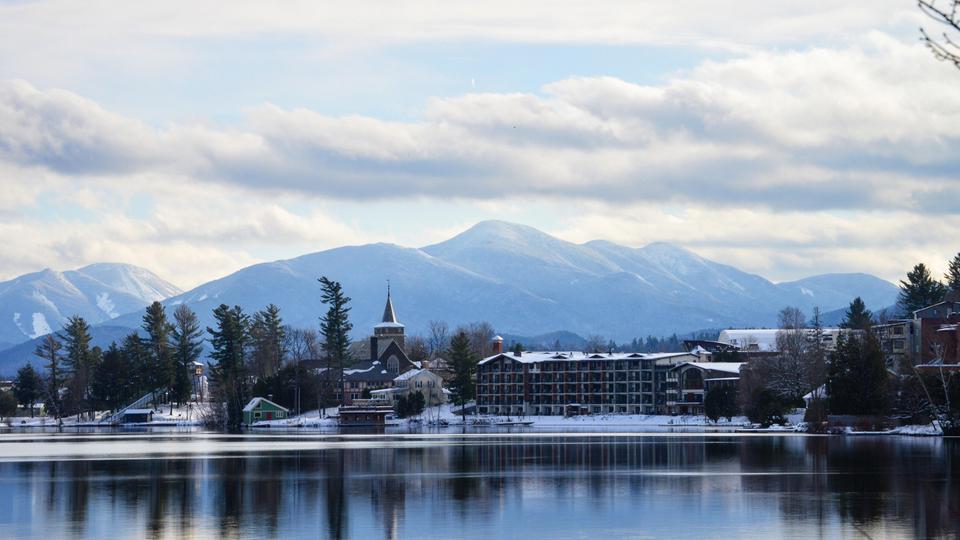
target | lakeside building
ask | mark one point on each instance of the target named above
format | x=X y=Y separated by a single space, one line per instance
x=694 y=380
x=415 y=380
x=263 y=409
x=545 y=383
x=377 y=361
x=764 y=340
x=930 y=337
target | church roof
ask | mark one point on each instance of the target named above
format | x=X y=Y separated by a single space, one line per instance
x=389 y=315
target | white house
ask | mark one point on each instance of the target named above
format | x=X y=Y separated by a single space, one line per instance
x=423 y=380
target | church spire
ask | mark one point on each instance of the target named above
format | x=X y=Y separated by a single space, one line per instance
x=389 y=316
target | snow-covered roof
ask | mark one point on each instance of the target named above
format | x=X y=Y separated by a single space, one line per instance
x=257 y=400
x=138 y=411
x=533 y=357
x=388 y=325
x=726 y=367
x=764 y=339
x=822 y=390
x=407 y=375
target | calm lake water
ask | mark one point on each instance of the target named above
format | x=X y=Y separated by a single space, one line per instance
x=477 y=485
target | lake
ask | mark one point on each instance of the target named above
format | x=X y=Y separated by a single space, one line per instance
x=524 y=484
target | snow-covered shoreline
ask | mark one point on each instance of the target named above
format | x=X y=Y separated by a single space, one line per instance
x=443 y=417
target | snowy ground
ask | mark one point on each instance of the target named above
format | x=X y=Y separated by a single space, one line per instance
x=193 y=415
x=188 y=415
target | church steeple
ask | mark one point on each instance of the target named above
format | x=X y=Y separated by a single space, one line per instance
x=389 y=316
x=387 y=331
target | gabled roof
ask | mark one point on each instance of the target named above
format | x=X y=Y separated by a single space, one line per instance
x=258 y=400
x=725 y=367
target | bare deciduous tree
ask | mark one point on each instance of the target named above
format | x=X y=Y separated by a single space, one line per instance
x=947 y=13
x=787 y=375
x=417 y=348
x=438 y=339
x=595 y=344
x=481 y=338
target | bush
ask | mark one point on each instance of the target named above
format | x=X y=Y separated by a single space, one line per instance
x=765 y=408
x=720 y=401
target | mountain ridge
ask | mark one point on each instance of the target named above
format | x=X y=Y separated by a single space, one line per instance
x=525 y=282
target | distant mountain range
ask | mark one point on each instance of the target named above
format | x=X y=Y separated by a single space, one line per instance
x=521 y=280
x=34 y=304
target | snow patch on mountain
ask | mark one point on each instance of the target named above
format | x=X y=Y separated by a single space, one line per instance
x=108 y=307
x=98 y=293
x=40 y=326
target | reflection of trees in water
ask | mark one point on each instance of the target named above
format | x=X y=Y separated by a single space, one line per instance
x=861 y=481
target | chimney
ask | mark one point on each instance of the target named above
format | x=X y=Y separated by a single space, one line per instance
x=497 y=345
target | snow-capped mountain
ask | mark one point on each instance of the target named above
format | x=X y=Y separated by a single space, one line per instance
x=527 y=282
x=36 y=304
x=521 y=280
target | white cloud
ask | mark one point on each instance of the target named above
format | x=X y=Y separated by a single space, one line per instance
x=781 y=162
x=872 y=126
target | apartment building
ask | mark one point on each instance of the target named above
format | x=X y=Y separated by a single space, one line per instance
x=546 y=383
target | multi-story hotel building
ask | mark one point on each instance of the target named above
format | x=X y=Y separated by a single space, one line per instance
x=549 y=383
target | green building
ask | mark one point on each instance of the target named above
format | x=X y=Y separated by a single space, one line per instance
x=263 y=409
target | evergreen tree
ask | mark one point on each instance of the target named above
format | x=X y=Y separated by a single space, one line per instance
x=268 y=335
x=417 y=403
x=919 y=290
x=161 y=373
x=28 y=387
x=137 y=359
x=953 y=274
x=857 y=317
x=335 y=327
x=402 y=407
x=720 y=401
x=8 y=405
x=49 y=351
x=78 y=363
x=228 y=367
x=857 y=376
x=111 y=387
x=187 y=342
x=463 y=364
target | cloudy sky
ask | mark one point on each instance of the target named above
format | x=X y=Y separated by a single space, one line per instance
x=787 y=138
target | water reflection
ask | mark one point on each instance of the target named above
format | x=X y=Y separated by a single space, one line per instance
x=558 y=486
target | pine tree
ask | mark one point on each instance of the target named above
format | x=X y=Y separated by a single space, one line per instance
x=919 y=290
x=228 y=368
x=111 y=380
x=463 y=364
x=49 y=351
x=720 y=401
x=335 y=327
x=161 y=373
x=28 y=387
x=186 y=339
x=268 y=336
x=953 y=274
x=8 y=404
x=137 y=359
x=857 y=317
x=857 y=376
x=79 y=362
